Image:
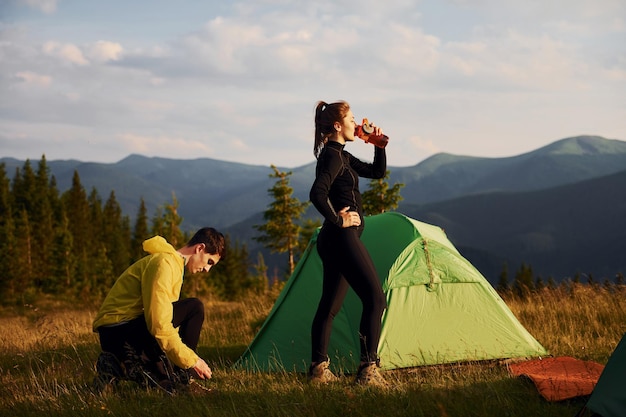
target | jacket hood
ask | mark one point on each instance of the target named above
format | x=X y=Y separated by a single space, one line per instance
x=157 y=244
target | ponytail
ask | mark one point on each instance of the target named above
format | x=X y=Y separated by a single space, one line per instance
x=326 y=115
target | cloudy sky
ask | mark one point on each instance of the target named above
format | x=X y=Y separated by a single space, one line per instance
x=238 y=80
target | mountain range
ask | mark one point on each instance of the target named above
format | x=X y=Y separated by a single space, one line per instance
x=560 y=209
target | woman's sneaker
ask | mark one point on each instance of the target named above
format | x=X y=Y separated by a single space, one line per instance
x=319 y=373
x=369 y=374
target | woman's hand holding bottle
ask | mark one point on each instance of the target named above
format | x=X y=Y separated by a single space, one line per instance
x=371 y=133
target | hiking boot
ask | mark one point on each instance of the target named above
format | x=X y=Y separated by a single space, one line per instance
x=108 y=371
x=369 y=375
x=134 y=367
x=183 y=376
x=320 y=374
x=165 y=375
x=180 y=380
x=159 y=373
x=149 y=378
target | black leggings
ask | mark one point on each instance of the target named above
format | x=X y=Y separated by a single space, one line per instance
x=347 y=263
x=188 y=314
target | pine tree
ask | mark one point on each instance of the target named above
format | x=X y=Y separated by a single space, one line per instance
x=503 y=281
x=78 y=212
x=5 y=194
x=235 y=267
x=24 y=188
x=260 y=269
x=231 y=279
x=6 y=242
x=539 y=284
x=280 y=232
x=62 y=258
x=102 y=279
x=551 y=283
x=24 y=246
x=8 y=250
x=9 y=276
x=166 y=223
x=96 y=217
x=33 y=200
x=524 y=281
x=116 y=237
x=55 y=202
x=307 y=230
x=140 y=232
x=42 y=218
x=379 y=198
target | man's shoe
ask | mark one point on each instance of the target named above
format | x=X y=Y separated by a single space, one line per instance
x=319 y=373
x=108 y=371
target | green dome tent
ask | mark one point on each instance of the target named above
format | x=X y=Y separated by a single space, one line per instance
x=608 y=398
x=440 y=308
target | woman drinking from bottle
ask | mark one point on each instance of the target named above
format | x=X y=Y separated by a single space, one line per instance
x=346 y=261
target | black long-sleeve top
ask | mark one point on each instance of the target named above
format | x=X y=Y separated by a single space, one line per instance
x=336 y=182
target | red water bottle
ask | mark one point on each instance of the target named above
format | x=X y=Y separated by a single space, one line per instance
x=365 y=131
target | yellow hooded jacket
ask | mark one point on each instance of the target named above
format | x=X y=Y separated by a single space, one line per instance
x=149 y=287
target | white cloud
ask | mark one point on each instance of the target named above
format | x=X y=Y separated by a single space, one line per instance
x=152 y=105
x=515 y=61
x=236 y=46
x=67 y=52
x=239 y=145
x=410 y=50
x=618 y=24
x=103 y=51
x=45 y=6
x=422 y=145
x=32 y=78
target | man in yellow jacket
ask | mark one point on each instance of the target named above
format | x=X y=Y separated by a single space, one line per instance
x=142 y=320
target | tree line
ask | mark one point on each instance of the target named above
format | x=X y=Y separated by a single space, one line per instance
x=73 y=245
x=524 y=282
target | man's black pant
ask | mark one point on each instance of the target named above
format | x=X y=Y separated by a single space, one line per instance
x=188 y=317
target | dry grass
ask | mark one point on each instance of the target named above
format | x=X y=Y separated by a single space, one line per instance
x=582 y=321
x=47 y=355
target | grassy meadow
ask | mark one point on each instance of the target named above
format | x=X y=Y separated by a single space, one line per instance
x=47 y=355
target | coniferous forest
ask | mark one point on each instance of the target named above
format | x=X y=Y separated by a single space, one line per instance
x=73 y=245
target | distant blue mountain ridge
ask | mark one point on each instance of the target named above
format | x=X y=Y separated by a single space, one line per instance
x=496 y=210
